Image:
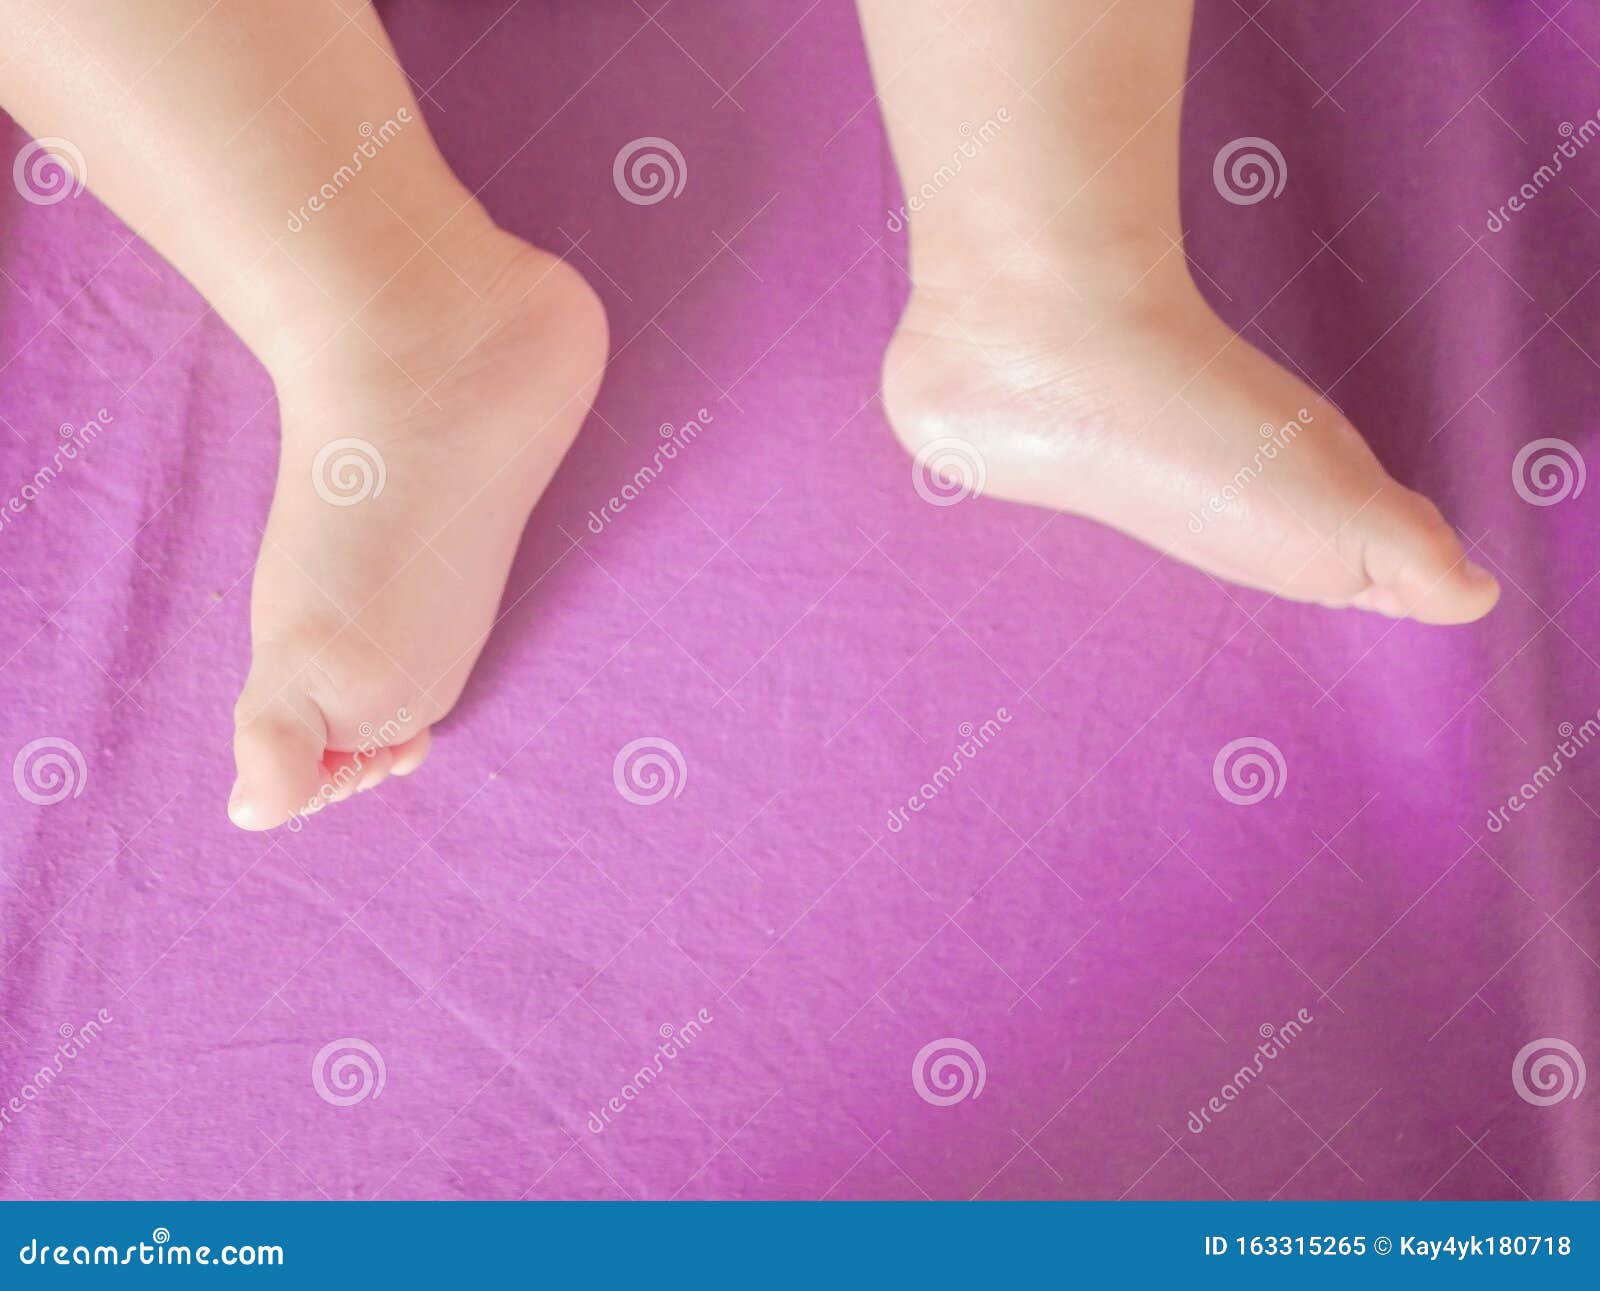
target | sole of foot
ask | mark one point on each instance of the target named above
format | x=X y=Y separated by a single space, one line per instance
x=1162 y=423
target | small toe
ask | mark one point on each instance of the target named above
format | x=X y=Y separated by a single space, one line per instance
x=375 y=770
x=411 y=754
x=351 y=773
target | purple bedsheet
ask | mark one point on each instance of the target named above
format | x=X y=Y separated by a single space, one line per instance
x=438 y=990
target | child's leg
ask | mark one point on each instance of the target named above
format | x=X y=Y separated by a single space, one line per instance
x=1053 y=325
x=431 y=369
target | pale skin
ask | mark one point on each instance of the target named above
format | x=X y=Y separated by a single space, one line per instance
x=1053 y=327
x=399 y=315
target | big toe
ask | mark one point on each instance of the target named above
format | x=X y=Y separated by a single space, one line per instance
x=1418 y=568
x=278 y=748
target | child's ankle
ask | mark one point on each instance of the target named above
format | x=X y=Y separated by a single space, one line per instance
x=400 y=294
x=1107 y=267
x=1098 y=283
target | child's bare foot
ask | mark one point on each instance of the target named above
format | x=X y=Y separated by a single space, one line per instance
x=415 y=443
x=431 y=369
x=1056 y=334
x=1152 y=417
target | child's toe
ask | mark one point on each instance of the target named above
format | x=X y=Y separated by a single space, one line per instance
x=1420 y=570
x=412 y=754
x=277 y=750
x=375 y=770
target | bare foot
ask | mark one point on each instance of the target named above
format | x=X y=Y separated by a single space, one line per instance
x=1152 y=417
x=415 y=444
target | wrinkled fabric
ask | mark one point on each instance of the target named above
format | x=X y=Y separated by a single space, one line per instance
x=440 y=989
